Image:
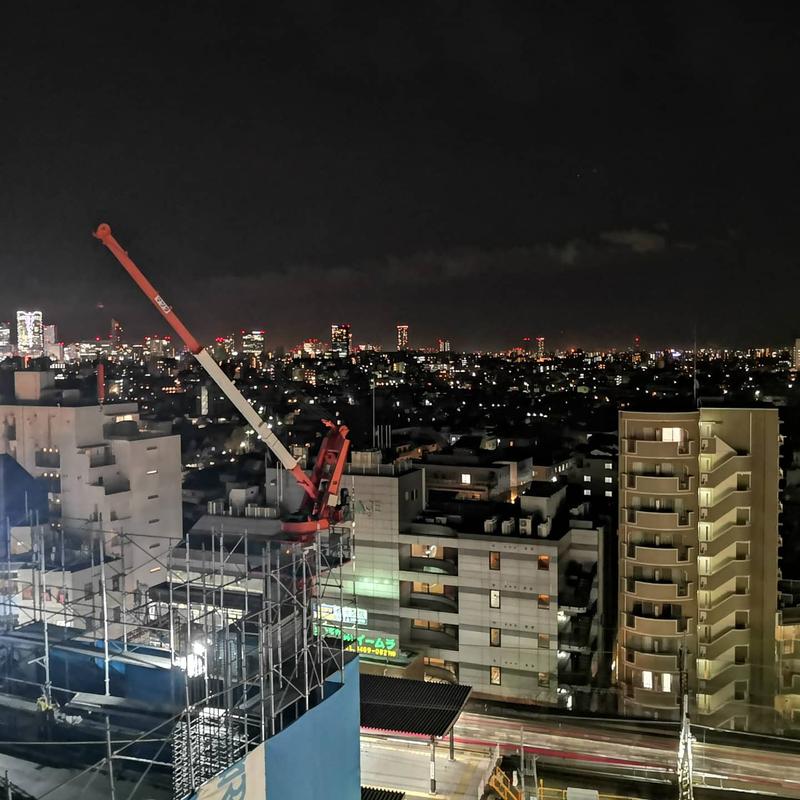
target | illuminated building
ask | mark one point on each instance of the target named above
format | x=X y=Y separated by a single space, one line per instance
x=443 y=345
x=6 y=348
x=52 y=348
x=341 y=339
x=253 y=343
x=699 y=564
x=30 y=335
x=115 y=334
x=540 y=347
x=796 y=355
x=402 y=337
x=159 y=347
x=312 y=347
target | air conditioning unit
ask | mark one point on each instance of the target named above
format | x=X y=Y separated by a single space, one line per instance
x=526 y=526
x=507 y=526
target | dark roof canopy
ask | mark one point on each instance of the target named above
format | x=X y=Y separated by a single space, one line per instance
x=407 y=706
x=369 y=793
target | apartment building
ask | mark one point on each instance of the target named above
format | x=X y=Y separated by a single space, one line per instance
x=699 y=542
x=505 y=597
x=103 y=473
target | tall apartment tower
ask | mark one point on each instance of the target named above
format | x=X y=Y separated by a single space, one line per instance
x=540 y=347
x=115 y=333
x=796 y=356
x=699 y=564
x=30 y=335
x=341 y=339
x=402 y=337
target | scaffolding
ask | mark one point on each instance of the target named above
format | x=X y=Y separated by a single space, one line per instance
x=236 y=613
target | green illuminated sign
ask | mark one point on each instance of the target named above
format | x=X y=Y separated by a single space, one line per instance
x=380 y=646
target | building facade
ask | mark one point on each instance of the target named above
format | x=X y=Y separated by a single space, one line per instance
x=699 y=542
x=341 y=339
x=104 y=475
x=30 y=333
x=402 y=338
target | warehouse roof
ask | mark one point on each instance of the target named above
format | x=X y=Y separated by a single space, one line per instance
x=407 y=706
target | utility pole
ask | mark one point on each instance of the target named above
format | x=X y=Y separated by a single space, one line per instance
x=685 y=788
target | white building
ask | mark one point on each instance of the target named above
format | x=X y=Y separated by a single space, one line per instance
x=103 y=472
x=505 y=598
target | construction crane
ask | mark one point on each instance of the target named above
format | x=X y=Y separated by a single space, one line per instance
x=323 y=505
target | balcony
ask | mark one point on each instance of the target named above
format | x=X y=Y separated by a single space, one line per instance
x=112 y=487
x=651 y=448
x=656 y=662
x=658 y=590
x=653 y=699
x=723 y=608
x=659 y=555
x=428 y=638
x=658 y=519
x=656 y=626
x=723 y=642
x=724 y=538
x=48 y=457
x=659 y=484
x=719 y=576
x=431 y=602
x=437 y=566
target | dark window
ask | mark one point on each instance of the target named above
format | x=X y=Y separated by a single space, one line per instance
x=494 y=637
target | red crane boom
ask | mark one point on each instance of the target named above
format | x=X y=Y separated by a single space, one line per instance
x=322 y=504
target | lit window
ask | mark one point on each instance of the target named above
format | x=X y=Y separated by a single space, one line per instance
x=609 y=479
x=544 y=641
x=587 y=492
x=587 y=478
x=494 y=637
x=672 y=434
x=666 y=682
x=544 y=562
x=647 y=679
x=494 y=598
x=544 y=680
x=608 y=465
x=608 y=493
x=494 y=560
x=494 y=676
x=466 y=478
x=544 y=601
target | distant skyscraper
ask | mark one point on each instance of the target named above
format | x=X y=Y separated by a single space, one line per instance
x=341 y=339
x=49 y=334
x=115 y=334
x=796 y=355
x=30 y=336
x=444 y=345
x=253 y=342
x=402 y=337
x=158 y=347
x=6 y=348
x=540 y=346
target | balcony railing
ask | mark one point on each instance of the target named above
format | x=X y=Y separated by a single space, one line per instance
x=658 y=484
x=431 y=602
x=657 y=590
x=658 y=518
x=439 y=566
x=650 y=625
x=429 y=638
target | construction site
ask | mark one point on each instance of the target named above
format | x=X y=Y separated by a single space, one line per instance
x=202 y=659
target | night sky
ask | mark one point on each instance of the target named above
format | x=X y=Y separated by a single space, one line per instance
x=481 y=171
